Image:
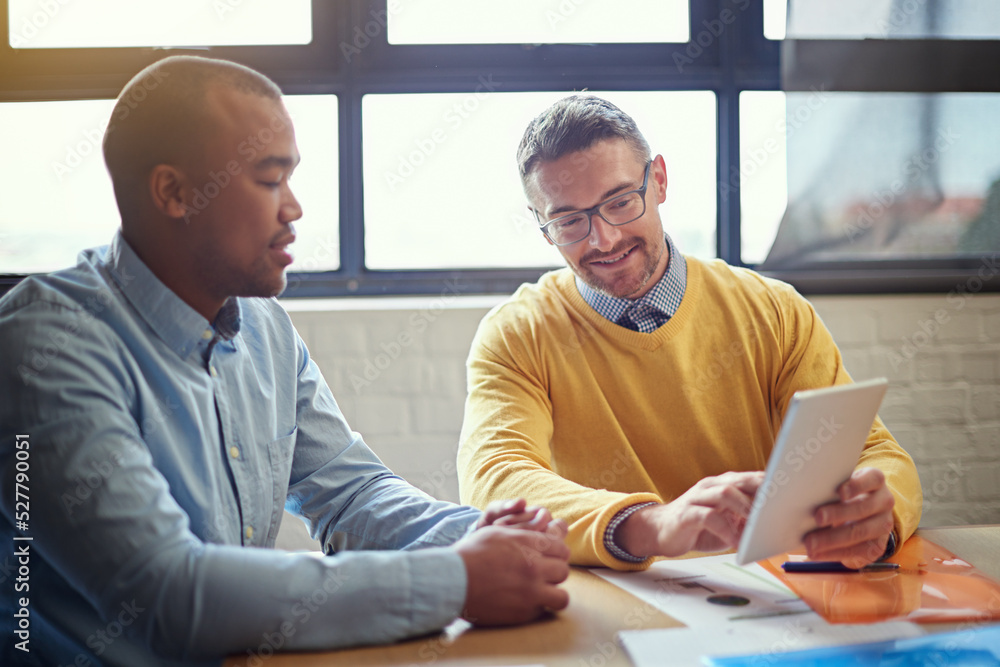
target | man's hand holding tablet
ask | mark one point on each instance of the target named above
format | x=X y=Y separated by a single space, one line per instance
x=854 y=530
x=812 y=493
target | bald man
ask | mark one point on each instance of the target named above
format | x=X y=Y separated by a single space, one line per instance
x=160 y=412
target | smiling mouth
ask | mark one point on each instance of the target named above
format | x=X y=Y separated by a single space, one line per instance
x=611 y=261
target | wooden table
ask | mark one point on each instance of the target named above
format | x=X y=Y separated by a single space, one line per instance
x=583 y=635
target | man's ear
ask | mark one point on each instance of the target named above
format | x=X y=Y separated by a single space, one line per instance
x=658 y=174
x=166 y=189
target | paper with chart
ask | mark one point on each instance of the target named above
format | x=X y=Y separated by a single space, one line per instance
x=730 y=610
x=710 y=591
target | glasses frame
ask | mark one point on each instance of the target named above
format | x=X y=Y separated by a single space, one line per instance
x=590 y=212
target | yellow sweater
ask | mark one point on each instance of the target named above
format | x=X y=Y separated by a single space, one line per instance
x=585 y=417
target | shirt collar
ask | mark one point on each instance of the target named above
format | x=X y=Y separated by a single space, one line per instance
x=664 y=297
x=176 y=323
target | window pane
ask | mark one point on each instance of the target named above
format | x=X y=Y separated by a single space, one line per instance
x=775 y=12
x=64 y=201
x=534 y=22
x=316 y=182
x=869 y=176
x=38 y=24
x=893 y=19
x=763 y=175
x=442 y=189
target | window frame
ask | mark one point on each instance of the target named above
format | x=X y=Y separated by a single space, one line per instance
x=739 y=58
x=887 y=65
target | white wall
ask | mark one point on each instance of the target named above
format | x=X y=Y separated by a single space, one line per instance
x=942 y=357
x=397 y=368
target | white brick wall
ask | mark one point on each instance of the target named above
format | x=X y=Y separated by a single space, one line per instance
x=397 y=369
x=941 y=354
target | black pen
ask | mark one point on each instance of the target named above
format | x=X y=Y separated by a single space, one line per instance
x=834 y=566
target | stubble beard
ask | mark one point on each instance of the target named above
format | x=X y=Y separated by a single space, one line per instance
x=623 y=291
x=260 y=281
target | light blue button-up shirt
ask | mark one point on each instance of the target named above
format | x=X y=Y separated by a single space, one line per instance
x=162 y=446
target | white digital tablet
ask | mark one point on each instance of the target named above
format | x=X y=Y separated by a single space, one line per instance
x=818 y=446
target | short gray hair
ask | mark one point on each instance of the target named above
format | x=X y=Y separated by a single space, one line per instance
x=573 y=124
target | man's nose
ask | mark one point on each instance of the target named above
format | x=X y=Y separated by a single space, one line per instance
x=290 y=209
x=603 y=235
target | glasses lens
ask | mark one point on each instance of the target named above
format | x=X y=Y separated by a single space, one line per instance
x=626 y=208
x=568 y=229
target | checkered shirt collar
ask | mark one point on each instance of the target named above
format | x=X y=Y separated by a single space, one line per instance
x=664 y=299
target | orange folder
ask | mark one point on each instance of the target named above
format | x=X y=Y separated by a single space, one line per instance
x=932 y=585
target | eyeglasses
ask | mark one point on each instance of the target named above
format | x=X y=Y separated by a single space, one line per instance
x=618 y=210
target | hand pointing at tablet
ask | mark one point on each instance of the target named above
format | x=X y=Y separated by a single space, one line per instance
x=707 y=517
x=855 y=530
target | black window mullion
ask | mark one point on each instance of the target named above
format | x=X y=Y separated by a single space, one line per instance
x=728 y=237
x=892 y=65
x=728 y=147
x=352 y=225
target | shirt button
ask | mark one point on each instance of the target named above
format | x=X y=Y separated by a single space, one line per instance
x=249 y=532
x=215 y=373
x=234 y=451
x=207 y=334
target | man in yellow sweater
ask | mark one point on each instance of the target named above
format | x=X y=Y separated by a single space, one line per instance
x=637 y=393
